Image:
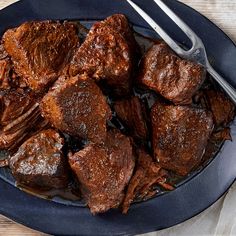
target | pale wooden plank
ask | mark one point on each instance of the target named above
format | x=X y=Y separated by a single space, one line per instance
x=221 y=12
x=10 y=228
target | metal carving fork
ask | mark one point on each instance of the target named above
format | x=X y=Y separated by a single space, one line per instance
x=197 y=53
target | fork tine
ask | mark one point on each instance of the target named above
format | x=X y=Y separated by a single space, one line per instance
x=185 y=28
x=158 y=29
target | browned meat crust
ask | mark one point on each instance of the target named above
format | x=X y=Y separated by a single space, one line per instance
x=39 y=162
x=104 y=171
x=77 y=106
x=174 y=78
x=180 y=135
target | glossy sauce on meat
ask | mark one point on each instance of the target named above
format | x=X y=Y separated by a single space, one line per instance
x=180 y=134
x=40 y=162
x=174 y=78
x=77 y=106
x=108 y=53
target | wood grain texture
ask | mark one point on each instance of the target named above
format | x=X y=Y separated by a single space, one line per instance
x=221 y=12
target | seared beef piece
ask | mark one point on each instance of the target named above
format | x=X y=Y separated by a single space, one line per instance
x=14 y=134
x=4 y=162
x=39 y=162
x=107 y=54
x=132 y=113
x=77 y=106
x=174 y=78
x=20 y=114
x=148 y=174
x=180 y=135
x=41 y=50
x=103 y=171
x=222 y=108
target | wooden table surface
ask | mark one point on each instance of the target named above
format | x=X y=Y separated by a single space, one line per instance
x=221 y=12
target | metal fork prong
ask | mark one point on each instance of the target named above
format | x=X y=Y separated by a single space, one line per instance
x=158 y=29
x=182 y=25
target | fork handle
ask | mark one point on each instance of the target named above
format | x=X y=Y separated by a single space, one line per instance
x=223 y=83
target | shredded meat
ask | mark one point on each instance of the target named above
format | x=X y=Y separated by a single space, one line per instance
x=39 y=162
x=174 y=78
x=77 y=106
x=180 y=135
x=107 y=53
x=148 y=174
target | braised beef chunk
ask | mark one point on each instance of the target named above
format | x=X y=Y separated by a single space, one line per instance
x=103 y=171
x=180 y=135
x=39 y=162
x=15 y=103
x=174 y=78
x=20 y=116
x=148 y=174
x=107 y=54
x=222 y=108
x=77 y=106
x=41 y=50
x=132 y=113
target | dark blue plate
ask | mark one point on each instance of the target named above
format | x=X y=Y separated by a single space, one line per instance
x=166 y=210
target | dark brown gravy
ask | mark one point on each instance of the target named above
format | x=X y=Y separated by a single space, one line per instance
x=68 y=193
